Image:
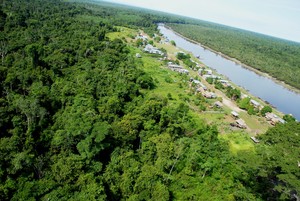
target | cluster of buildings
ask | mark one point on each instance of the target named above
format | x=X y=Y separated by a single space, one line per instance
x=177 y=68
x=273 y=118
x=208 y=94
x=142 y=36
x=207 y=73
x=152 y=50
x=201 y=88
x=225 y=83
x=239 y=123
x=148 y=47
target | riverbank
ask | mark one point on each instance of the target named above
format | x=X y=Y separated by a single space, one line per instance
x=258 y=72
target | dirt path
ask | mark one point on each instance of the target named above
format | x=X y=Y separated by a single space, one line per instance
x=225 y=100
x=229 y=103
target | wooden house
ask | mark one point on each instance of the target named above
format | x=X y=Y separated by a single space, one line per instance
x=273 y=118
x=254 y=139
x=235 y=114
x=255 y=103
x=218 y=104
x=241 y=123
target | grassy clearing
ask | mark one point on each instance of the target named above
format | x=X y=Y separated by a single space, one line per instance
x=123 y=32
x=239 y=141
x=256 y=124
x=167 y=82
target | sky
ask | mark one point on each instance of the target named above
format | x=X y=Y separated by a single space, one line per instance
x=279 y=18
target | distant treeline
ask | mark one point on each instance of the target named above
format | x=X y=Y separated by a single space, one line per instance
x=122 y=15
x=279 y=58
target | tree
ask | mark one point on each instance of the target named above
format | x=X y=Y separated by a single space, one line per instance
x=151 y=42
x=252 y=110
x=139 y=42
x=34 y=51
x=280 y=170
x=182 y=56
x=146 y=82
x=2 y=19
x=233 y=93
x=173 y=43
x=157 y=39
x=265 y=110
x=210 y=80
x=289 y=118
x=3 y=50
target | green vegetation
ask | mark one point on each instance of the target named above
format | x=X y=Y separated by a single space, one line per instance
x=246 y=105
x=289 y=118
x=83 y=119
x=265 y=110
x=233 y=93
x=282 y=171
x=186 y=58
x=279 y=58
x=173 y=43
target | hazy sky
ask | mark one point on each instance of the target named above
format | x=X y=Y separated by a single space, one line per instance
x=280 y=18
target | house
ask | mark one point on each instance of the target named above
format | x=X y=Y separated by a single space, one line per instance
x=273 y=118
x=200 y=72
x=142 y=36
x=201 y=65
x=241 y=123
x=200 y=90
x=183 y=71
x=210 y=76
x=174 y=67
x=244 y=96
x=197 y=82
x=235 y=114
x=269 y=116
x=225 y=83
x=208 y=72
x=208 y=94
x=254 y=139
x=255 y=103
x=152 y=50
x=218 y=104
x=203 y=86
x=177 y=68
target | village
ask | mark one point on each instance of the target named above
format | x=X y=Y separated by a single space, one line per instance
x=213 y=87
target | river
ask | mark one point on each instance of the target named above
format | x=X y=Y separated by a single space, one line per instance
x=265 y=88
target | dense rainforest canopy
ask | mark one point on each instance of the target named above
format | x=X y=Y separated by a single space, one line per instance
x=77 y=122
